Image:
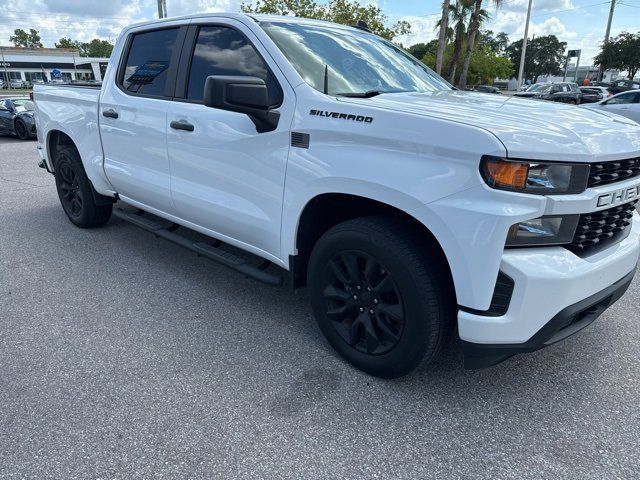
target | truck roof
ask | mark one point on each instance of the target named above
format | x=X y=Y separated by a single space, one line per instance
x=243 y=16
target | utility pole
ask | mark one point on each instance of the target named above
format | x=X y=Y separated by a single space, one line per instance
x=4 y=64
x=606 y=34
x=524 y=47
x=162 y=8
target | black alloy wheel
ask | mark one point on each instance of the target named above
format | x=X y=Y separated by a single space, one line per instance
x=363 y=302
x=71 y=194
x=21 y=130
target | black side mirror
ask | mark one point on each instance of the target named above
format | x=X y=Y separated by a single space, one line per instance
x=247 y=95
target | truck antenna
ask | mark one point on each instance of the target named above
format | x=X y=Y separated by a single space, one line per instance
x=326 y=79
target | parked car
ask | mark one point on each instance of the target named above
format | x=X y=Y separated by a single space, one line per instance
x=487 y=89
x=592 y=94
x=16 y=83
x=566 y=92
x=2 y=84
x=626 y=104
x=328 y=152
x=624 y=85
x=606 y=85
x=16 y=118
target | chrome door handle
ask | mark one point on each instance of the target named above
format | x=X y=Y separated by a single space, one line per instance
x=182 y=125
x=110 y=113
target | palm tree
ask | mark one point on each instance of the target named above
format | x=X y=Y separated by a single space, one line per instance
x=442 y=37
x=459 y=15
x=474 y=26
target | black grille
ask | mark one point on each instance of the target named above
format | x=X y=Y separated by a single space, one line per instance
x=600 y=228
x=611 y=172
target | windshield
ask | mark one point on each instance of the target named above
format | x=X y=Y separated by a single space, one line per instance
x=23 y=105
x=539 y=87
x=350 y=62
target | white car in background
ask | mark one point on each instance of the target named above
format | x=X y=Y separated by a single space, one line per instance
x=626 y=104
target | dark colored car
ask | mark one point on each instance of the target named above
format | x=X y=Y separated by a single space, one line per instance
x=566 y=92
x=487 y=89
x=16 y=118
x=624 y=85
x=593 y=94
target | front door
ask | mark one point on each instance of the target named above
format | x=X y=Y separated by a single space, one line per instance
x=226 y=177
x=133 y=119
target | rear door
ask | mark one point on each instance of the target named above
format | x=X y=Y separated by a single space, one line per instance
x=133 y=117
x=226 y=177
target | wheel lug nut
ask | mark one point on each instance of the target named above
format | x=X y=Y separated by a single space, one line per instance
x=368 y=289
x=358 y=287
x=361 y=309
x=355 y=297
x=372 y=311
x=376 y=301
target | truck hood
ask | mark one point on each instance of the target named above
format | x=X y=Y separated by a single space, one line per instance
x=536 y=130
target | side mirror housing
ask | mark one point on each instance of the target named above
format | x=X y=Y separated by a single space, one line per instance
x=248 y=95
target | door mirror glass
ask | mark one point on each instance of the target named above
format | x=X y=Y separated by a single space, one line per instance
x=248 y=95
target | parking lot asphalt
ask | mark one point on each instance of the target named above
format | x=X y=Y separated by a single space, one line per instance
x=124 y=356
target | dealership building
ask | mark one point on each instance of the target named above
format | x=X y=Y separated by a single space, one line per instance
x=29 y=64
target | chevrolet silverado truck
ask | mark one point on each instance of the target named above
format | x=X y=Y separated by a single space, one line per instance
x=325 y=154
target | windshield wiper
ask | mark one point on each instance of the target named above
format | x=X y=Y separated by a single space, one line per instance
x=367 y=94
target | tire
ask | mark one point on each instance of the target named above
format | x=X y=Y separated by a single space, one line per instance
x=22 y=132
x=75 y=191
x=382 y=297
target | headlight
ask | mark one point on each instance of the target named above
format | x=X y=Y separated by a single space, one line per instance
x=534 y=177
x=550 y=230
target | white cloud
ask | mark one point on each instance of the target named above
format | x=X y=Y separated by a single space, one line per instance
x=422 y=30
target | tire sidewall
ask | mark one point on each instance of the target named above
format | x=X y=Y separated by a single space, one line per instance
x=68 y=157
x=420 y=305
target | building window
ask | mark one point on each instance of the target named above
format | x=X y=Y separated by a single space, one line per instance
x=31 y=76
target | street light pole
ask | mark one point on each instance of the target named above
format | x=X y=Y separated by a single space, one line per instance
x=606 y=34
x=524 y=47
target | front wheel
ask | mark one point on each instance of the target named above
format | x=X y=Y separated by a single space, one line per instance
x=21 y=130
x=380 y=294
x=75 y=191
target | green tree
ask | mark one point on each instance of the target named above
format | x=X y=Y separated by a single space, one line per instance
x=622 y=53
x=472 y=31
x=68 y=43
x=96 y=48
x=545 y=56
x=485 y=66
x=30 y=39
x=347 y=12
x=419 y=50
x=497 y=43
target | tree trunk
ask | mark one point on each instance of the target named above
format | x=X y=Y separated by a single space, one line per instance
x=457 y=49
x=471 y=40
x=442 y=37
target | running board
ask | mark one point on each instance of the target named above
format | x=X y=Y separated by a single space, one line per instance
x=211 y=252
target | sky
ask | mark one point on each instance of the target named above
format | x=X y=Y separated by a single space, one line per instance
x=580 y=23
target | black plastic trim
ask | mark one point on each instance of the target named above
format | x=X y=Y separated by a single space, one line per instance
x=569 y=321
x=501 y=298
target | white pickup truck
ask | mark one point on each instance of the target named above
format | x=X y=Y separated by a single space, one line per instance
x=409 y=209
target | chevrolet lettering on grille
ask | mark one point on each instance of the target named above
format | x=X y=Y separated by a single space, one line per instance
x=619 y=196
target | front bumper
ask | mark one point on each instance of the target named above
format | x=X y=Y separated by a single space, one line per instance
x=552 y=288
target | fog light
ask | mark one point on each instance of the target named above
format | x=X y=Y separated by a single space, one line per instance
x=549 y=230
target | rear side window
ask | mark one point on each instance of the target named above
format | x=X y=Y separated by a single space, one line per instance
x=224 y=51
x=148 y=61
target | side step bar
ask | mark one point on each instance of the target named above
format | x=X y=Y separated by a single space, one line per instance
x=204 y=249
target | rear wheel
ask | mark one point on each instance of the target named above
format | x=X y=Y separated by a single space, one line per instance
x=21 y=130
x=75 y=191
x=379 y=295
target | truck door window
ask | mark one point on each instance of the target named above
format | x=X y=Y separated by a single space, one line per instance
x=148 y=61
x=225 y=51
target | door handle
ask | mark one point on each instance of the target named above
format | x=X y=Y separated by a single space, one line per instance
x=110 y=113
x=182 y=125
